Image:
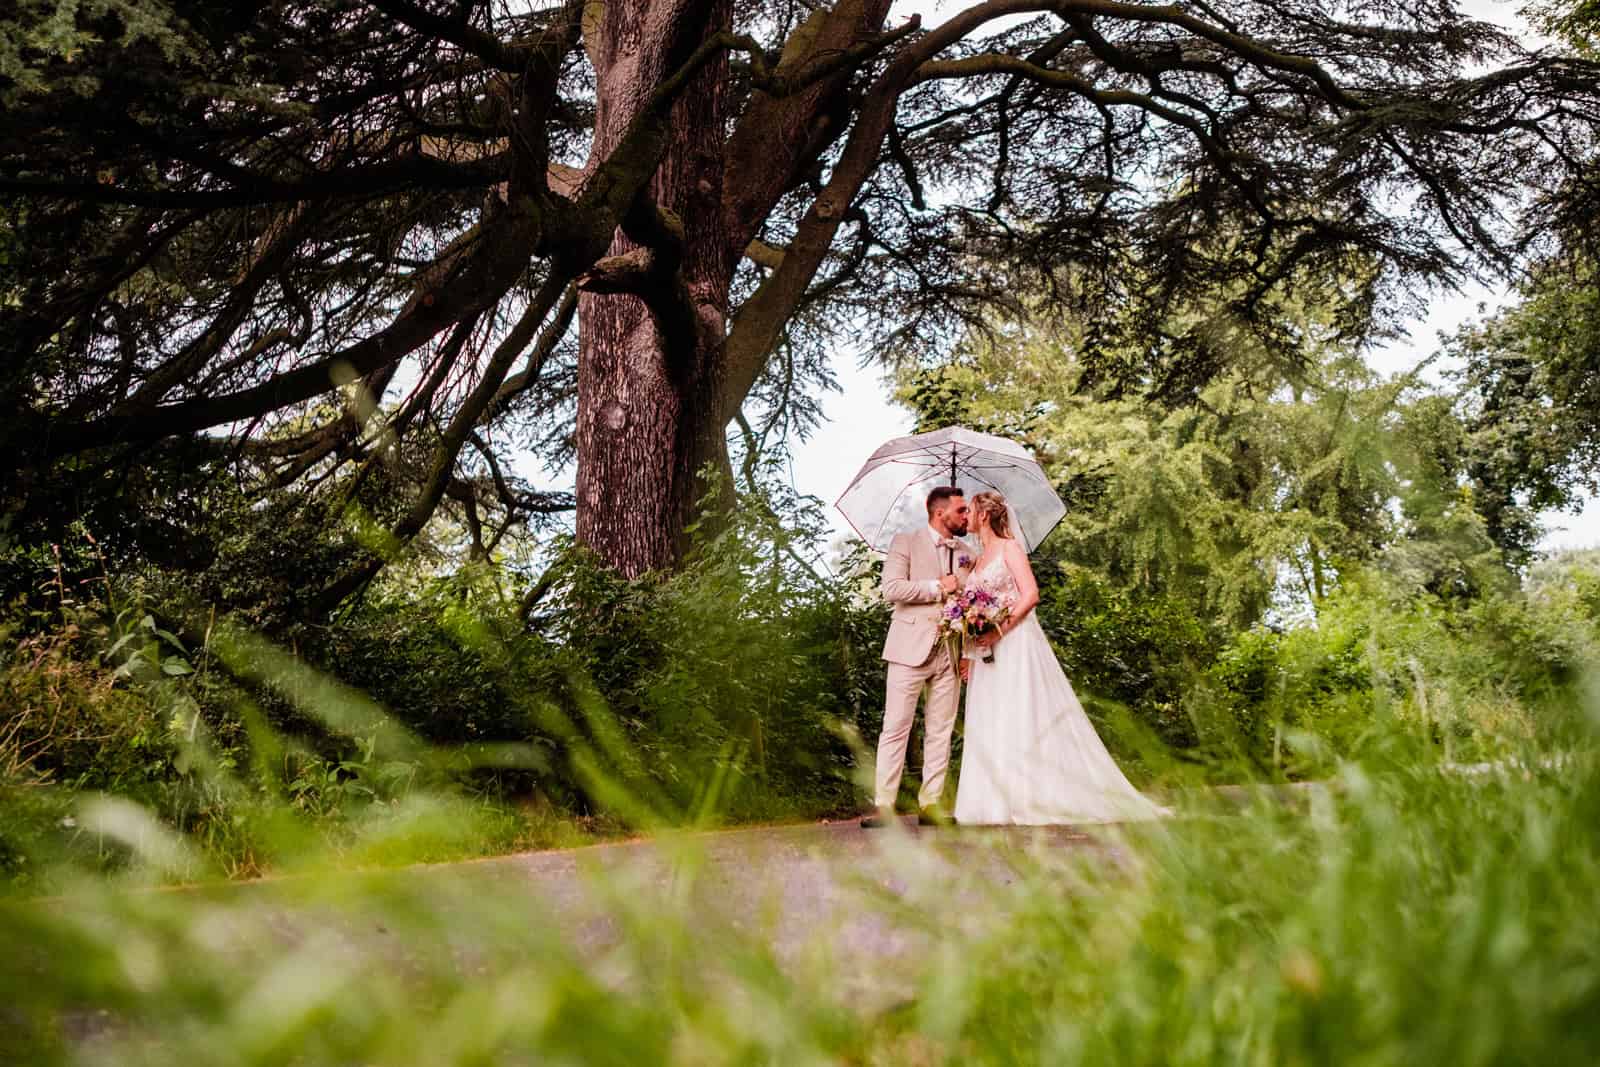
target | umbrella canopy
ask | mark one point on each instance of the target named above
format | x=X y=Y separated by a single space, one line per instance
x=888 y=494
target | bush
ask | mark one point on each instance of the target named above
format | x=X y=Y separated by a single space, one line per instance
x=1478 y=675
x=1129 y=648
x=730 y=690
x=70 y=717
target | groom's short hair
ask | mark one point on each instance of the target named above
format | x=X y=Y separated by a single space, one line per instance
x=940 y=494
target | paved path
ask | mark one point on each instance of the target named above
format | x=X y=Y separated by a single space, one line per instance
x=829 y=886
x=869 y=901
x=870 y=905
x=828 y=889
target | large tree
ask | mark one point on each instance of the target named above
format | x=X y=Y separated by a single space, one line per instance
x=1531 y=399
x=310 y=239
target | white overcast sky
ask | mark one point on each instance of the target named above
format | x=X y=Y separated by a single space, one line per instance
x=860 y=417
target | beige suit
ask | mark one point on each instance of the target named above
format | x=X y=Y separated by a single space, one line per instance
x=916 y=658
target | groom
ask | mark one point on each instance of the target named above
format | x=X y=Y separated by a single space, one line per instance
x=922 y=567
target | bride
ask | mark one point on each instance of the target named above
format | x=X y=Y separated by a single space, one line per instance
x=1030 y=754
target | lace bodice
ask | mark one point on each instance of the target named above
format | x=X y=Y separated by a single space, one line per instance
x=993 y=576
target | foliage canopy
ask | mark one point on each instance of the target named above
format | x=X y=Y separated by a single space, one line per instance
x=304 y=240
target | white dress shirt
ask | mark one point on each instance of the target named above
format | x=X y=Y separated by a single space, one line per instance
x=939 y=551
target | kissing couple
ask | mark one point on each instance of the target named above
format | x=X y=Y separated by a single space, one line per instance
x=1030 y=756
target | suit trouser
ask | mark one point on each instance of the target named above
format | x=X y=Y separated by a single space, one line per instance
x=939 y=719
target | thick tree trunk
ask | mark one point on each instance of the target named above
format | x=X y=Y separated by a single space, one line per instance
x=650 y=414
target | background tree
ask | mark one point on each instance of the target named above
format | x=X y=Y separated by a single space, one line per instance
x=1531 y=371
x=1255 y=491
x=1209 y=533
x=314 y=239
x=1575 y=21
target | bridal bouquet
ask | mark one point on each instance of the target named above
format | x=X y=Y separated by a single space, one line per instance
x=971 y=613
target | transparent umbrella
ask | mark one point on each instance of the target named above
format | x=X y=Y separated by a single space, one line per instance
x=888 y=493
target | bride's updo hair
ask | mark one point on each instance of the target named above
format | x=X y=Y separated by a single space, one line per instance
x=993 y=507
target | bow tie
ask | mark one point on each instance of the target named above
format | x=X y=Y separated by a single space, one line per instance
x=950 y=543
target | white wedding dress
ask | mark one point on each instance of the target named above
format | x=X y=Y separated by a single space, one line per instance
x=1030 y=756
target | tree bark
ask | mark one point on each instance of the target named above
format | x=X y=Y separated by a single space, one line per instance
x=650 y=363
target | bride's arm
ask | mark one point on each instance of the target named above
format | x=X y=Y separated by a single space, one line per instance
x=1016 y=558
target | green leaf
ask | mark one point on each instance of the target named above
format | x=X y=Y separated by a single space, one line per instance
x=171 y=639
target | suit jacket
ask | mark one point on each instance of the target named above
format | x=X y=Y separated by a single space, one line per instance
x=911 y=568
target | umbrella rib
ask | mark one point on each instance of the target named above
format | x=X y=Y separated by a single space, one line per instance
x=892 y=500
x=980 y=463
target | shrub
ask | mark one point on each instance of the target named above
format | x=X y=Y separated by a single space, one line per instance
x=1129 y=648
x=1477 y=675
x=72 y=718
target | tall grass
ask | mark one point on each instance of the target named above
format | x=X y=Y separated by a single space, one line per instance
x=1409 y=914
x=1413 y=917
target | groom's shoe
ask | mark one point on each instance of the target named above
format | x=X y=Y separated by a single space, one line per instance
x=933 y=815
x=878 y=819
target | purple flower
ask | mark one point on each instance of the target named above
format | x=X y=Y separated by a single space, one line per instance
x=965 y=561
